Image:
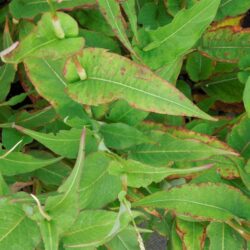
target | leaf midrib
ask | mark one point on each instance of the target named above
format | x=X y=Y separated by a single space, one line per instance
x=13 y=228
x=144 y=92
x=183 y=26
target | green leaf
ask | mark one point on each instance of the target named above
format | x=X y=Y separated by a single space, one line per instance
x=111 y=11
x=50 y=84
x=232 y=8
x=175 y=241
x=140 y=175
x=127 y=80
x=166 y=43
x=239 y=137
x=7 y=72
x=32 y=119
x=205 y=201
x=226 y=88
x=19 y=163
x=125 y=240
x=171 y=71
x=52 y=175
x=15 y=228
x=64 y=207
x=4 y=189
x=15 y=100
x=49 y=234
x=121 y=136
x=121 y=111
x=225 y=44
x=246 y=97
x=129 y=8
x=168 y=147
x=30 y=8
x=97 y=186
x=222 y=237
x=191 y=233
x=65 y=142
x=99 y=40
x=199 y=67
x=92 y=229
x=43 y=42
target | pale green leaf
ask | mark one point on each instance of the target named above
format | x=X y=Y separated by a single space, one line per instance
x=225 y=44
x=111 y=11
x=92 y=228
x=64 y=207
x=65 y=142
x=205 y=201
x=223 y=237
x=49 y=234
x=19 y=163
x=97 y=186
x=43 y=42
x=171 y=71
x=125 y=240
x=50 y=84
x=15 y=228
x=169 y=147
x=125 y=80
x=140 y=175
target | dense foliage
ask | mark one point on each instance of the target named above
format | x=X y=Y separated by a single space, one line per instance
x=124 y=119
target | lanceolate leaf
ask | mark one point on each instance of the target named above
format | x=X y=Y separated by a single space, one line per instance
x=111 y=11
x=226 y=44
x=125 y=240
x=49 y=234
x=166 y=43
x=226 y=88
x=43 y=42
x=65 y=143
x=121 y=136
x=140 y=175
x=19 y=163
x=64 y=207
x=32 y=119
x=126 y=80
x=15 y=228
x=30 y=8
x=129 y=8
x=239 y=137
x=7 y=72
x=121 y=111
x=170 y=148
x=232 y=8
x=246 y=97
x=223 y=237
x=205 y=201
x=97 y=186
x=91 y=229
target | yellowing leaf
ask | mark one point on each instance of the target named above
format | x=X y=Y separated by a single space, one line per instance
x=125 y=80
